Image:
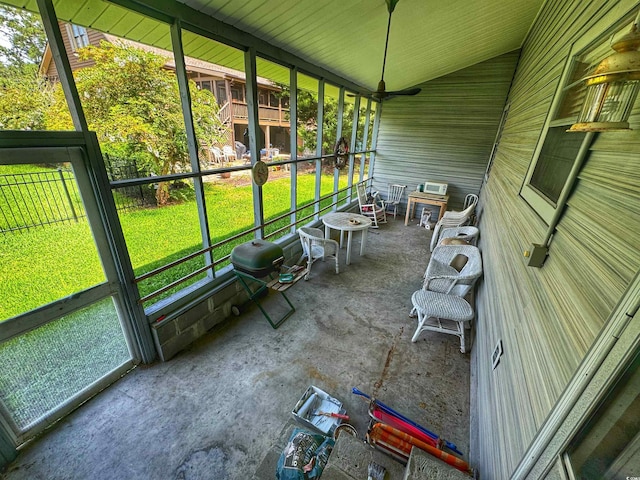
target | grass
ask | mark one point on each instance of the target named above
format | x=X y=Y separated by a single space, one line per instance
x=48 y=263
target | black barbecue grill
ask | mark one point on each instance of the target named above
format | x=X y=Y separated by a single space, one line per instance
x=257 y=258
x=258 y=263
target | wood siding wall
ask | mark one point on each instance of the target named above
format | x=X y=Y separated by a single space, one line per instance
x=446 y=132
x=547 y=318
x=95 y=38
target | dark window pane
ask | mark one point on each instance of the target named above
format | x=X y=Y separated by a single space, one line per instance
x=608 y=447
x=555 y=161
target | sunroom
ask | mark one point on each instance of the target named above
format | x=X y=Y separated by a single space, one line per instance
x=117 y=229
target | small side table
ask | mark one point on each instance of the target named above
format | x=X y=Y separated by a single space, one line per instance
x=347 y=222
x=427 y=198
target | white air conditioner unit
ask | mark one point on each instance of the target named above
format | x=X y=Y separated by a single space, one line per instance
x=435 y=188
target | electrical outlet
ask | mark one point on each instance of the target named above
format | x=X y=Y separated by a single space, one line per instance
x=497 y=353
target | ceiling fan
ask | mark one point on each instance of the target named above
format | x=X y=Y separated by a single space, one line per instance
x=381 y=92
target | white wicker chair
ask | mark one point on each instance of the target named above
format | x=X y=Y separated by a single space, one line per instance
x=394 y=197
x=315 y=246
x=452 y=271
x=371 y=206
x=454 y=219
x=468 y=233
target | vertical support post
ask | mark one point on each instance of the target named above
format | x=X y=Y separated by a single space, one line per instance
x=192 y=142
x=254 y=126
x=374 y=139
x=336 y=172
x=319 y=123
x=293 y=142
x=352 y=146
x=56 y=44
x=8 y=451
x=66 y=192
x=365 y=140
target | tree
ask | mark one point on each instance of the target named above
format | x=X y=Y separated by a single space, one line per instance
x=24 y=96
x=133 y=104
x=25 y=36
x=24 y=100
x=307 y=127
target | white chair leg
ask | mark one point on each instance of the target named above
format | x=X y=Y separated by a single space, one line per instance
x=461 y=330
x=309 y=263
x=421 y=321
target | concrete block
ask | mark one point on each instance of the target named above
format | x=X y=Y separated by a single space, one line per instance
x=164 y=332
x=214 y=319
x=352 y=456
x=189 y=318
x=177 y=343
x=331 y=472
x=225 y=294
x=423 y=466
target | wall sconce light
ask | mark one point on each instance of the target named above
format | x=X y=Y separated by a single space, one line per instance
x=612 y=88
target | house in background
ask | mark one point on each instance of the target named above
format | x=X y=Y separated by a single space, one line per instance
x=227 y=85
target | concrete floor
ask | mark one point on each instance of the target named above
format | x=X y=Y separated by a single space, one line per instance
x=216 y=410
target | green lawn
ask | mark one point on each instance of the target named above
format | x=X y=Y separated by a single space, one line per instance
x=48 y=263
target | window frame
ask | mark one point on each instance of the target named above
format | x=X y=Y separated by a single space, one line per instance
x=73 y=38
x=545 y=207
x=614 y=24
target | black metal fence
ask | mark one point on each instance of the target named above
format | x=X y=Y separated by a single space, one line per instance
x=30 y=200
x=129 y=197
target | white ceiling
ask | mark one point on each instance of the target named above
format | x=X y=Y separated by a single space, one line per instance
x=429 y=38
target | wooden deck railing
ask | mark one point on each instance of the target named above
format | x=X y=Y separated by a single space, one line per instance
x=265 y=113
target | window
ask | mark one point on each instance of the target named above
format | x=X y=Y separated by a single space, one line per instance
x=262 y=97
x=559 y=153
x=608 y=446
x=205 y=85
x=237 y=93
x=221 y=92
x=78 y=37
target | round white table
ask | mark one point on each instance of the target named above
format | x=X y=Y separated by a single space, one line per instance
x=347 y=222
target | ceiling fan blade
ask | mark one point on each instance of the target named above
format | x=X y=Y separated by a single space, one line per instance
x=408 y=91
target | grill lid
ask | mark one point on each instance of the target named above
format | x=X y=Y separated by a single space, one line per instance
x=257 y=257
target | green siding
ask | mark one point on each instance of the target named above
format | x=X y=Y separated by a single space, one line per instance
x=548 y=318
x=446 y=132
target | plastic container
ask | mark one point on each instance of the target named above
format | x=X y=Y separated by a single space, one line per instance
x=307 y=411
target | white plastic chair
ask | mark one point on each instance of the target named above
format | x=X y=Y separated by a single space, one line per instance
x=439 y=305
x=394 y=196
x=371 y=206
x=454 y=219
x=229 y=153
x=218 y=156
x=315 y=246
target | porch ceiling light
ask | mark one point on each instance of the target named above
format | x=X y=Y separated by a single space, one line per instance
x=612 y=88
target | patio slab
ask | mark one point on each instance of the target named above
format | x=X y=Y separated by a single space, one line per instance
x=220 y=409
